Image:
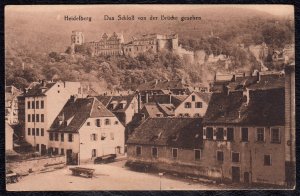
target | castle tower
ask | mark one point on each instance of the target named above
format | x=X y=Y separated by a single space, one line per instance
x=77 y=38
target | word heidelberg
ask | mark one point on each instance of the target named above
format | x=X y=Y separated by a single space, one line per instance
x=152 y=18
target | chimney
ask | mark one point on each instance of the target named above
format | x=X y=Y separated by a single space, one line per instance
x=43 y=83
x=244 y=74
x=170 y=97
x=73 y=98
x=233 y=78
x=138 y=95
x=258 y=76
x=147 y=97
x=25 y=90
x=156 y=81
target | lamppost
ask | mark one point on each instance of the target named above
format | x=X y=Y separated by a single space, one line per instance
x=160 y=175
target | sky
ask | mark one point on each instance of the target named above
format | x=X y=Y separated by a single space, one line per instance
x=279 y=10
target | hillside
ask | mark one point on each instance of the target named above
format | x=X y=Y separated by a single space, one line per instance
x=32 y=34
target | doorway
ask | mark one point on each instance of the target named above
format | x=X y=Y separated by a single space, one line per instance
x=246 y=177
x=235 y=174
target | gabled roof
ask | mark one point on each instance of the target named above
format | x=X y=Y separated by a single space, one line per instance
x=265 y=108
x=75 y=113
x=118 y=100
x=162 y=85
x=175 y=132
x=168 y=109
x=39 y=89
x=204 y=96
x=152 y=109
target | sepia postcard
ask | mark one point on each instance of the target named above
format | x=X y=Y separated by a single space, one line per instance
x=149 y=97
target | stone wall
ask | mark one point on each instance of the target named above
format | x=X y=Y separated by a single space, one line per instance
x=36 y=164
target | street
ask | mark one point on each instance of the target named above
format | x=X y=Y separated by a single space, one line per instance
x=113 y=176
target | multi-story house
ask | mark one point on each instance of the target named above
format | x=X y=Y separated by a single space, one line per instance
x=12 y=105
x=124 y=107
x=170 y=144
x=243 y=134
x=195 y=105
x=84 y=129
x=43 y=102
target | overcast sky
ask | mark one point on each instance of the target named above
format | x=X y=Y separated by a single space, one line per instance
x=279 y=10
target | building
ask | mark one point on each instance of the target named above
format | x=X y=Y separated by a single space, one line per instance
x=124 y=107
x=12 y=105
x=290 y=125
x=195 y=105
x=84 y=129
x=148 y=90
x=77 y=39
x=260 y=52
x=108 y=45
x=9 y=132
x=44 y=101
x=170 y=144
x=153 y=42
x=243 y=134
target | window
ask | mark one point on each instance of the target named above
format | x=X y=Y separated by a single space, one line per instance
x=58 y=91
x=244 y=134
x=107 y=122
x=260 y=134
x=197 y=155
x=220 y=156
x=37 y=148
x=62 y=151
x=28 y=118
x=42 y=131
x=174 y=153
x=138 y=150
x=98 y=122
x=209 y=133
x=37 y=104
x=154 y=152
x=42 y=104
x=55 y=151
x=103 y=136
x=235 y=157
x=51 y=136
x=70 y=137
x=28 y=133
x=33 y=104
x=37 y=117
x=56 y=136
x=28 y=104
x=62 y=137
x=267 y=160
x=275 y=135
x=112 y=136
x=88 y=124
x=116 y=122
x=230 y=134
x=187 y=105
x=198 y=105
x=37 y=131
x=193 y=97
x=33 y=118
x=93 y=137
x=94 y=153
x=33 y=131
x=42 y=117
x=220 y=134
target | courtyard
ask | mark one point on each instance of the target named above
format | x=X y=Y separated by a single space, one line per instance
x=113 y=176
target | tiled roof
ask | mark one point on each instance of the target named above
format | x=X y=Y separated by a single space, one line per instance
x=204 y=96
x=168 y=109
x=119 y=100
x=39 y=89
x=265 y=108
x=75 y=113
x=152 y=109
x=176 y=132
x=162 y=85
x=268 y=82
